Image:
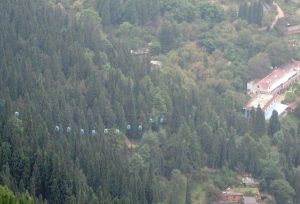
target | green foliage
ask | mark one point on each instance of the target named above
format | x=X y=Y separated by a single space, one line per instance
x=177 y=188
x=155 y=48
x=274 y=124
x=115 y=12
x=282 y=191
x=68 y=63
x=183 y=151
x=270 y=169
x=8 y=197
x=279 y=53
x=188 y=196
x=249 y=154
x=259 y=65
x=210 y=12
x=290 y=97
x=184 y=11
x=259 y=124
x=213 y=194
x=252 y=12
x=209 y=42
x=296 y=183
x=169 y=37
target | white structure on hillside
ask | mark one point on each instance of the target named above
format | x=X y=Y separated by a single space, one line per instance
x=278 y=80
x=267 y=103
x=264 y=91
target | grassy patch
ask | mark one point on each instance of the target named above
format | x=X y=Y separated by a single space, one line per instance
x=291 y=121
x=290 y=8
x=249 y=191
x=198 y=195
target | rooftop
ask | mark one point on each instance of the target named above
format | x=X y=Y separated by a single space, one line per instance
x=262 y=100
x=279 y=76
x=247 y=180
x=279 y=107
x=232 y=193
x=229 y=192
x=155 y=62
x=140 y=51
x=250 y=200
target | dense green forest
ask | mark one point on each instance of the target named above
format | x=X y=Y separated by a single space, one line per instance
x=71 y=64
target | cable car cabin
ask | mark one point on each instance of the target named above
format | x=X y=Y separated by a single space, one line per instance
x=17 y=114
x=140 y=128
x=117 y=131
x=105 y=131
x=81 y=131
x=161 y=120
x=69 y=129
x=128 y=127
x=56 y=129
x=93 y=132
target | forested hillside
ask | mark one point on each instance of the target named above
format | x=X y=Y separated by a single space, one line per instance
x=79 y=64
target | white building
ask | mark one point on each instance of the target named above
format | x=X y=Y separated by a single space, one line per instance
x=278 y=80
x=267 y=103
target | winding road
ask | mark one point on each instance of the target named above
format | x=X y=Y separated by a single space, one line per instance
x=280 y=14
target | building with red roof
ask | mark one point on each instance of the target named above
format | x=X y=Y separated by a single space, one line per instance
x=278 y=80
x=264 y=91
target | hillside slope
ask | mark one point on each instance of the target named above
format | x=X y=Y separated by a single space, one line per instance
x=75 y=90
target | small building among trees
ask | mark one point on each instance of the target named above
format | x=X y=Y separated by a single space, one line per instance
x=267 y=103
x=230 y=197
x=278 y=80
x=265 y=91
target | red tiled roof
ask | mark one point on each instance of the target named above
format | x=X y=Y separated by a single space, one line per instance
x=277 y=74
x=265 y=82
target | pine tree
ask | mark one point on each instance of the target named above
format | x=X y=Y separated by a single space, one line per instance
x=188 y=195
x=105 y=13
x=259 y=123
x=115 y=11
x=251 y=12
x=260 y=13
x=274 y=124
x=168 y=37
x=243 y=11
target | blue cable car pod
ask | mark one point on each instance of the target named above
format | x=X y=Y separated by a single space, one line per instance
x=81 y=132
x=17 y=114
x=128 y=127
x=117 y=131
x=69 y=129
x=94 y=132
x=150 y=120
x=105 y=131
x=140 y=128
x=56 y=128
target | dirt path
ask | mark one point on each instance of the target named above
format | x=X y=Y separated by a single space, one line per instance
x=280 y=14
x=130 y=144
